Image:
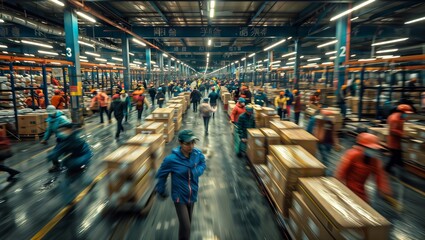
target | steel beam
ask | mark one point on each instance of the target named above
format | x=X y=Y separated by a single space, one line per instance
x=126 y=61
x=259 y=11
x=154 y=6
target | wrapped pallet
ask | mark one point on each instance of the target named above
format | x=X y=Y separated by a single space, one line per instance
x=340 y=211
x=286 y=165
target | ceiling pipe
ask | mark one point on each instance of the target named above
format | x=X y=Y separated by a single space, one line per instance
x=110 y=22
x=11 y=17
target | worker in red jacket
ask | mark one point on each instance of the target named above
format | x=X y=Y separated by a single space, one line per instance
x=396 y=133
x=238 y=110
x=359 y=162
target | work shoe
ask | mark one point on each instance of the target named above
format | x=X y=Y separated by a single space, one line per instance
x=12 y=176
x=55 y=169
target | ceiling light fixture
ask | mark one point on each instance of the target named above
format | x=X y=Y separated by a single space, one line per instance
x=36 y=44
x=332 y=58
x=165 y=55
x=83 y=57
x=93 y=54
x=387 y=50
x=330 y=53
x=1 y=21
x=415 y=20
x=101 y=59
x=116 y=59
x=354 y=19
x=327 y=44
x=313 y=59
x=352 y=9
x=390 y=41
x=86 y=44
x=131 y=54
x=84 y=60
x=366 y=59
x=290 y=63
x=327 y=63
x=3 y=46
x=57 y=2
x=85 y=16
x=288 y=54
x=243 y=59
x=5 y=52
x=137 y=62
x=139 y=42
x=275 y=44
x=208 y=54
x=251 y=55
x=48 y=53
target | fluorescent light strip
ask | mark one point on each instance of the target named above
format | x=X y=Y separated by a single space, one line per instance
x=48 y=53
x=84 y=60
x=389 y=57
x=137 y=62
x=366 y=59
x=92 y=54
x=117 y=59
x=5 y=52
x=272 y=63
x=101 y=59
x=208 y=54
x=109 y=63
x=327 y=44
x=354 y=19
x=251 y=55
x=332 y=58
x=290 y=63
x=139 y=42
x=352 y=9
x=415 y=20
x=211 y=13
x=209 y=42
x=57 y=2
x=36 y=44
x=3 y=46
x=275 y=44
x=313 y=59
x=55 y=63
x=330 y=53
x=29 y=55
x=84 y=57
x=387 y=50
x=327 y=63
x=243 y=59
x=131 y=54
x=85 y=16
x=1 y=21
x=289 y=54
x=86 y=44
x=390 y=41
x=172 y=59
x=165 y=55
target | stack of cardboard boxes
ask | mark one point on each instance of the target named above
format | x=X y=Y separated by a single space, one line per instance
x=150 y=127
x=256 y=148
x=299 y=137
x=232 y=105
x=285 y=165
x=272 y=138
x=414 y=148
x=165 y=116
x=266 y=115
x=324 y=208
x=178 y=115
x=156 y=145
x=32 y=124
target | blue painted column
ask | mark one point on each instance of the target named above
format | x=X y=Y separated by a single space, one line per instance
x=297 y=63
x=160 y=60
x=340 y=47
x=244 y=70
x=254 y=73
x=72 y=52
x=169 y=69
x=148 y=64
x=126 y=61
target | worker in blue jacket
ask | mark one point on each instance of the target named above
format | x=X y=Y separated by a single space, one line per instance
x=185 y=164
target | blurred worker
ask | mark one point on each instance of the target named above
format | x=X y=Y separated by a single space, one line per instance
x=205 y=111
x=55 y=119
x=32 y=101
x=289 y=100
x=246 y=94
x=136 y=93
x=152 y=94
x=359 y=162
x=118 y=107
x=71 y=145
x=202 y=88
x=315 y=98
x=5 y=153
x=238 y=110
x=127 y=104
x=280 y=104
x=141 y=103
x=297 y=106
x=160 y=97
x=57 y=100
x=170 y=88
x=324 y=131
x=213 y=96
x=102 y=100
x=260 y=98
x=396 y=133
x=41 y=99
x=185 y=164
x=177 y=90
x=195 y=98
x=245 y=121
x=341 y=100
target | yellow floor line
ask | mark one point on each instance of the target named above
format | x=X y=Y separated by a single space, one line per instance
x=52 y=223
x=409 y=186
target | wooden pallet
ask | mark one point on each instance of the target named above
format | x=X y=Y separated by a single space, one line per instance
x=31 y=137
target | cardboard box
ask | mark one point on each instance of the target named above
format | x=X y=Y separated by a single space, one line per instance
x=256 y=138
x=168 y=123
x=311 y=223
x=283 y=125
x=342 y=212
x=128 y=157
x=269 y=118
x=282 y=201
x=300 y=137
x=169 y=136
x=269 y=111
x=256 y=155
x=153 y=128
x=295 y=225
x=272 y=138
x=152 y=141
x=158 y=155
x=149 y=118
x=274 y=171
x=163 y=113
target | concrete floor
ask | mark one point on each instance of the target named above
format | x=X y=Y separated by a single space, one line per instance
x=231 y=206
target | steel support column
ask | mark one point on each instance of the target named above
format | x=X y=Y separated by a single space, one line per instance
x=126 y=61
x=73 y=55
x=297 y=63
x=340 y=47
x=254 y=73
x=160 y=60
x=169 y=70
x=148 y=64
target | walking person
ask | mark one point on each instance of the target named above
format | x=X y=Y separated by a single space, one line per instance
x=245 y=121
x=324 y=131
x=195 y=98
x=55 y=119
x=127 y=104
x=289 y=100
x=141 y=102
x=101 y=99
x=6 y=152
x=58 y=100
x=118 y=108
x=213 y=96
x=238 y=110
x=185 y=164
x=160 y=97
x=205 y=110
x=297 y=106
x=152 y=94
x=280 y=104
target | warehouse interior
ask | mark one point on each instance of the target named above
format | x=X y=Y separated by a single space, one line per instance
x=350 y=62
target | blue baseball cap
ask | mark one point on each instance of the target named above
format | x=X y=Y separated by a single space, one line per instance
x=186 y=135
x=242 y=100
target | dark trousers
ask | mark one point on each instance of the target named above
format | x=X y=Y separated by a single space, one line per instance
x=396 y=158
x=206 y=122
x=9 y=170
x=104 y=110
x=281 y=112
x=195 y=106
x=343 y=108
x=153 y=100
x=297 y=117
x=139 y=113
x=160 y=104
x=184 y=214
x=120 y=128
x=325 y=151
